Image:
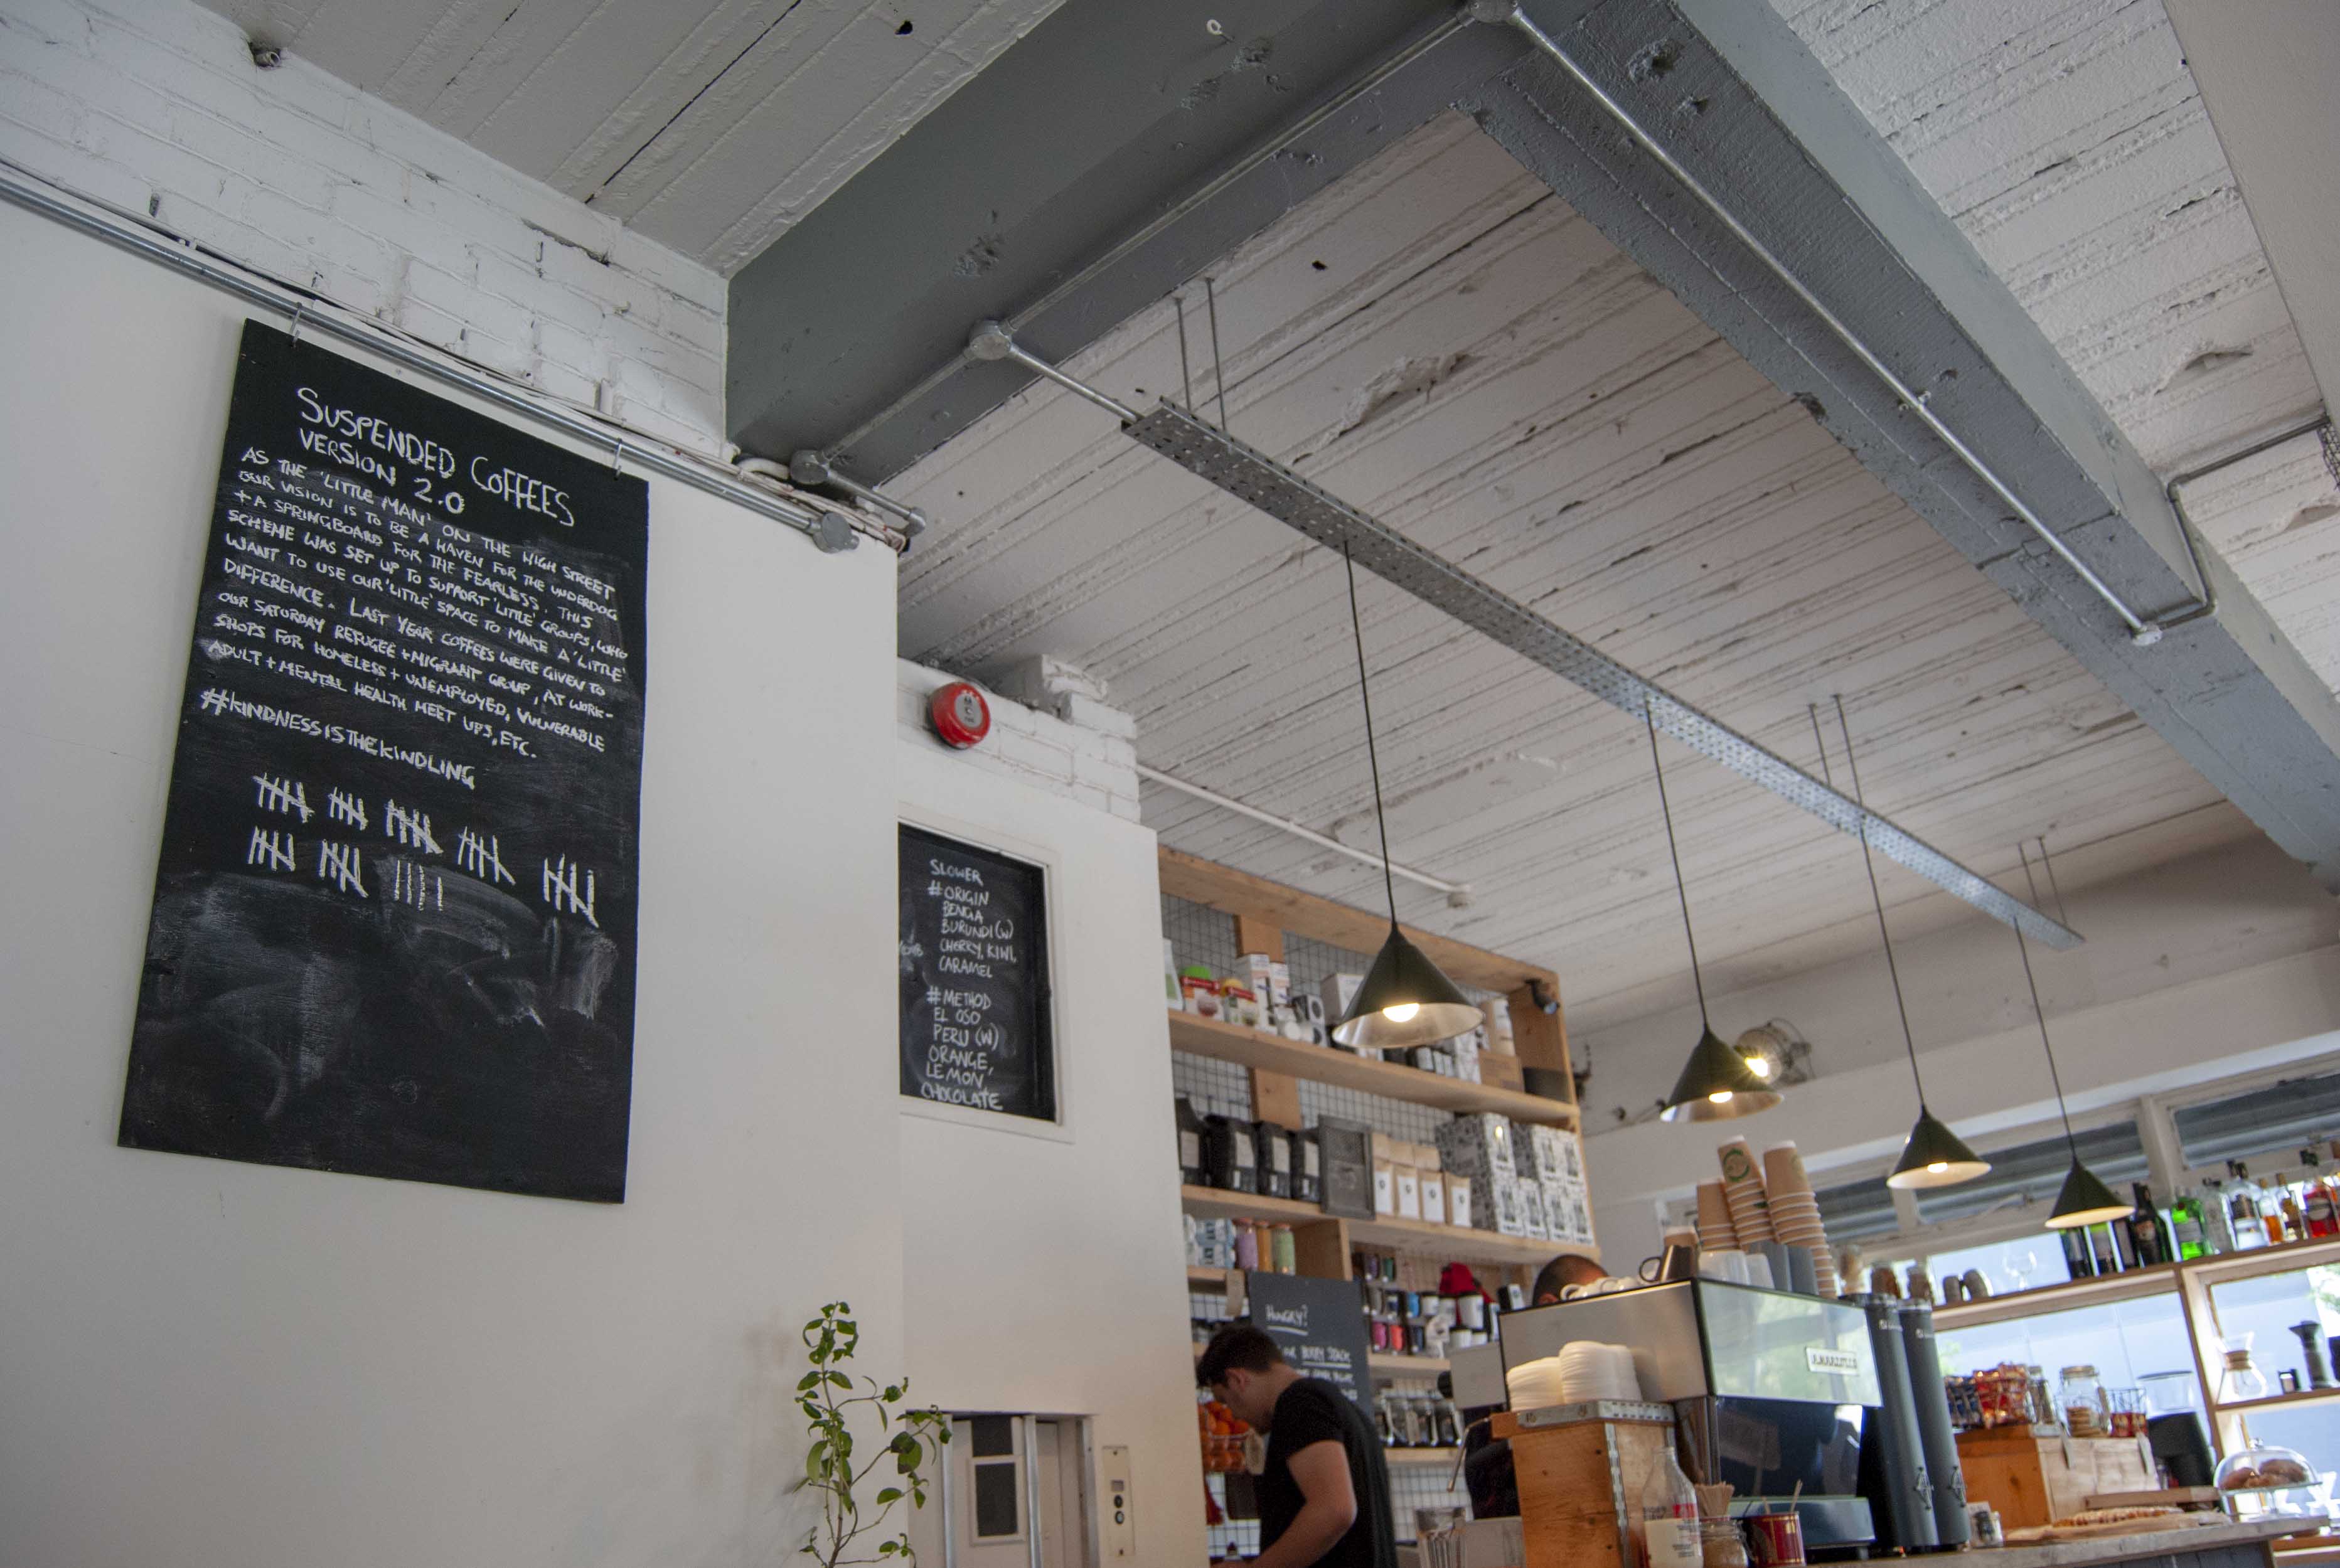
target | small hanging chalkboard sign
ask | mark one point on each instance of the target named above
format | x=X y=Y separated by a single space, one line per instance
x=976 y=1012
x=1319 y=1325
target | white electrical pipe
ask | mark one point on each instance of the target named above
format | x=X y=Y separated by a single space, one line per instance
x=1457 y=893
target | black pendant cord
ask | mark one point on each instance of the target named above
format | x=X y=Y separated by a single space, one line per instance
x=1372 y=756
x=1877 y=898
x=1680 y=889
x=2024 y=948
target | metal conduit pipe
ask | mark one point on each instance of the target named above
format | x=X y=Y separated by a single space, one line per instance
x=2207 y=601
x=2142 y=631
x=830 y=530
x=1458 y=894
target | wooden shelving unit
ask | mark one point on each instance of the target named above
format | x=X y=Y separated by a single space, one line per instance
x=1267 y=1053
x=1390 y=1365
x=1264 y=913
x=1315 y=1230
x=2196 y=1280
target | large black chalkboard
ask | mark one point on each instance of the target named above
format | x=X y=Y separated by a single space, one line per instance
x=393 y=922
x=1318 y=1323
x=976 y=1015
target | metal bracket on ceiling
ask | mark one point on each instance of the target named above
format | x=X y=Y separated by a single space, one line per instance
x=1252 y=476
x=812 y=468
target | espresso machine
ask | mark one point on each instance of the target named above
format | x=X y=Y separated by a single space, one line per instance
x=1770 y=1390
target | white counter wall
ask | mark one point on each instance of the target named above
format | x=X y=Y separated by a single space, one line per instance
x=211 y=1364
x=1043 y=1267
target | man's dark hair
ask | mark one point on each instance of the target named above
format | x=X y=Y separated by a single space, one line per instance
x=1566 y=1270
x=1238 y=1345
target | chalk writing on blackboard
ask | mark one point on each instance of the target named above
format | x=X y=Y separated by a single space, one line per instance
x=975 y=1017
x=393 y=917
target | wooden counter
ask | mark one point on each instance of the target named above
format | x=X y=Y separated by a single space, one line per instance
x=2209 y=1545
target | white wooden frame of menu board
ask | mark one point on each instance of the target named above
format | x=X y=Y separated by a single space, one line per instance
x=1064 y=991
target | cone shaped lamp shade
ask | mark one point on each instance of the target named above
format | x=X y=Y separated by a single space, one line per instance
x=1406 y=1000
x=1935 y=1156
x=1716 y=1085
x=2085 y=1200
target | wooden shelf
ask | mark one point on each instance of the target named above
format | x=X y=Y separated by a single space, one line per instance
x=1390 y=1365
x=1448 y=1456
x=2066 y=1296
x=1445 y=1242
x=1268 y=1053
x=1208 y=1278
x=2263 y=1260
x=2277 y=1401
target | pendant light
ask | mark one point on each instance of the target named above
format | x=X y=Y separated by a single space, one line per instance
x=1934 y=1155
x=1405 y=1000
x=1717 y=1083
x=2084 y=1200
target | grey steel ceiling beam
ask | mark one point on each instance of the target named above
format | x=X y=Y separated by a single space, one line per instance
x=1739 y=103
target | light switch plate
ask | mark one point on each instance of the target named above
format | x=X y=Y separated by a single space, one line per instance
x=1116 y=1518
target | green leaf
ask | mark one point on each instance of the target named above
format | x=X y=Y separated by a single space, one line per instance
x=838 y=1380
x=890 y=1494
x=893 y=1392
x=814 y=1457
x=908 y=1453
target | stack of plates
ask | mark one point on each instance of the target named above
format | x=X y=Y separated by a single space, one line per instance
x=1534 y=1385
x=1796 y=1213
x=1742 y=1190
x=1715 y=1233
x=1590 y=1370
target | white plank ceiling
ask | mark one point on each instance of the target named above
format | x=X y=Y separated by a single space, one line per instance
x=709 y=126
x=1439 y=340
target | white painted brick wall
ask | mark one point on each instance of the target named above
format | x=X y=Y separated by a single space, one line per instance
x=155 y=106
x=1093 y=762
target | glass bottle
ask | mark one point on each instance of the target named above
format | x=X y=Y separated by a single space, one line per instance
x=2077 y=1262
x=2323 y=1218
x=2242 y=1213
x=2186 y=1221
x=2217 y=1226
x=2124 y=1242
x=2100 y=1242
x=2151 y=1236
x=2242 y=1379
x=1669 y=1535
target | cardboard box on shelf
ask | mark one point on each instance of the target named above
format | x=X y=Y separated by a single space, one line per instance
x=1477 y=1143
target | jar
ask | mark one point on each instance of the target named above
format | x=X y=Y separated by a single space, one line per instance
x=1246 y=1244
x=1721 y=1545
x=2242 y=1379
x=1286 y=1249
x=2081 y=1397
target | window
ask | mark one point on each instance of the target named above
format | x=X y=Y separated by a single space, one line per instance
x=992 y=1448
x=2033 y=1173
x=2125 y=1341
x=2295 y=1114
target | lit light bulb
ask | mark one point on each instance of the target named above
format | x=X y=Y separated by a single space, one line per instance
x=1400 y=1012
x=1719 y=1097
x=1760 y=1066
x=1937 y=1167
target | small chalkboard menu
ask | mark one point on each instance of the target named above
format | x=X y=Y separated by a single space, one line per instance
x=976 y=1014
x=393 y=920
x=1319 y=1325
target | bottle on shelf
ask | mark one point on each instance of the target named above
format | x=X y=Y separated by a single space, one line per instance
x=2079 y=1262
x=2217 y=1225
x=2322 y=1208
x=2243 y=1213
x=1669 y=1516
x=2100 y=1244
x=2145 y=1228
x=2289 y=1222
x=2124 y=1242
x=2186 y=1225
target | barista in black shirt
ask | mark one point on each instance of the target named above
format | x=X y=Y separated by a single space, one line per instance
x=1324 y=1497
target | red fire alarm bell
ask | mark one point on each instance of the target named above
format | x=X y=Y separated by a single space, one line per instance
x=959 y=715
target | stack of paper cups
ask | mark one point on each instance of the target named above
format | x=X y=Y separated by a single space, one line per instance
x=1715 y=1233
x=1742 y=1190
x=1796 y=1213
